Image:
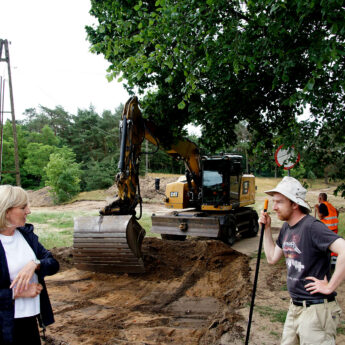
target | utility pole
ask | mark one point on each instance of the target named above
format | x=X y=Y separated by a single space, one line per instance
x=4 y=44
x=146 y=157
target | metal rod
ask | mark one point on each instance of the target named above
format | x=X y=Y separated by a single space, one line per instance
x=121 y=164
x=256 y=276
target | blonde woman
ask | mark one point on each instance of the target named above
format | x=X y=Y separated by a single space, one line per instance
x=24 y=263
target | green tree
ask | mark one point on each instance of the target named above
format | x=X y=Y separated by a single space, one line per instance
x=63 y=175
x=216 y=63
x=59 y=120
x=88 y=139
x=8 y=166
x=99 y=175
x=37 y=160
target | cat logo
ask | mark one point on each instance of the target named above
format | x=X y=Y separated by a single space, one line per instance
x=173 y=194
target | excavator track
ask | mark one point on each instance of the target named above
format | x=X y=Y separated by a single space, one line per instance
x=108 y=244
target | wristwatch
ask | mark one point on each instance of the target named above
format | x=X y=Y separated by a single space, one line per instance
x=38 y=263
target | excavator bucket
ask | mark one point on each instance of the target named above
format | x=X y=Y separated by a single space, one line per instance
x=108 y=244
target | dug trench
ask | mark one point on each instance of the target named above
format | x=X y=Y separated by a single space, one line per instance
x=189 y=294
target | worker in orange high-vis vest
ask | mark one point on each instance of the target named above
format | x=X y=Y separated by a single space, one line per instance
x=328 y=215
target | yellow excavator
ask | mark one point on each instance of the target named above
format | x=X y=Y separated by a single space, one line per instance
x=210 y=201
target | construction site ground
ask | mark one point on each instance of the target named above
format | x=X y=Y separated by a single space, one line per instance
x=193 y=292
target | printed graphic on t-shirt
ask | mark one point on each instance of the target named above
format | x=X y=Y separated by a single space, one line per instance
x=292 y=252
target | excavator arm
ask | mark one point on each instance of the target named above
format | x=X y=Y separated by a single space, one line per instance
x=134 y=129
x=127 y=178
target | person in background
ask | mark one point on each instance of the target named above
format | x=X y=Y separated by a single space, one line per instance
x=328 y=215
x=24 y=263
x=306 y=243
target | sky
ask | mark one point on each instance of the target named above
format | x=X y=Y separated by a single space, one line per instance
x=50 y=60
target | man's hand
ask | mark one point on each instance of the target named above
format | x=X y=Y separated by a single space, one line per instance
x=21 y=281
x=318 y=286
x=33 y=290
x=265 y=219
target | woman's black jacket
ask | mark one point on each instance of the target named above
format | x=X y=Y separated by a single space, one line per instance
x=49 y=266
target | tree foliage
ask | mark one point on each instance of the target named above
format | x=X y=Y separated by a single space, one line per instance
x=37 y=160
x=63 y=175
x=217 y=63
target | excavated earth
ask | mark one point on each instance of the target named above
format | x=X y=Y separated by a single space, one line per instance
x=188 y=295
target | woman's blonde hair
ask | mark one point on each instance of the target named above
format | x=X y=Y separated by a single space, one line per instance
x=10 y=196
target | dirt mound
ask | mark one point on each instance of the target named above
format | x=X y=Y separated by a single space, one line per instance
x=147 y=187
x=41 y=197
x=189 y=291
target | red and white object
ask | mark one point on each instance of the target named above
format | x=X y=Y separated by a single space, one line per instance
x=286 y=158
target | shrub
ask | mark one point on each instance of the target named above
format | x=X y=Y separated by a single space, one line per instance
x=63 y=175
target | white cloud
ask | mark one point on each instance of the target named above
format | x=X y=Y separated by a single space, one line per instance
x=50 y=59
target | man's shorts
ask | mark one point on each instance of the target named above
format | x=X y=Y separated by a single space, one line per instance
x=312 y=325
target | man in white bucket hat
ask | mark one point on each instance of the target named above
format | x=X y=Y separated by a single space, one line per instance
x=306 y=243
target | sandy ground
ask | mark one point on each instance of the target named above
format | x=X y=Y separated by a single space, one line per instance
x=195 y=292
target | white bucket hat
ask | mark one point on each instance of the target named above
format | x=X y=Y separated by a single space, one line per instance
x=292 y=189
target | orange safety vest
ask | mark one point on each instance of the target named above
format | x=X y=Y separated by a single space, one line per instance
x=331 y=221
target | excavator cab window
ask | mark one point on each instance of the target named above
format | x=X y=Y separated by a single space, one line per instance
x=221 y=181
x=215 y=183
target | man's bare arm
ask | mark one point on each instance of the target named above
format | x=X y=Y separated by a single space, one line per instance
x=323 y=286
x=272 y=251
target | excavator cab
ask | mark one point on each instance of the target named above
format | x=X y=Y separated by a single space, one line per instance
x=221 y=180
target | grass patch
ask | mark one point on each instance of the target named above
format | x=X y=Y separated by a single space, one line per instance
x=341 y=328
x=58 y=239
x=95 y=195
x=55 y=229
x=59 y=220
x=255 y=255
x=274 y=315
x=146 y=223
x=275 y=334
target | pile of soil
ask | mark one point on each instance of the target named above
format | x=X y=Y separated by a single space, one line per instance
x=189 y=292
x=41 y=197
x=147 y=188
